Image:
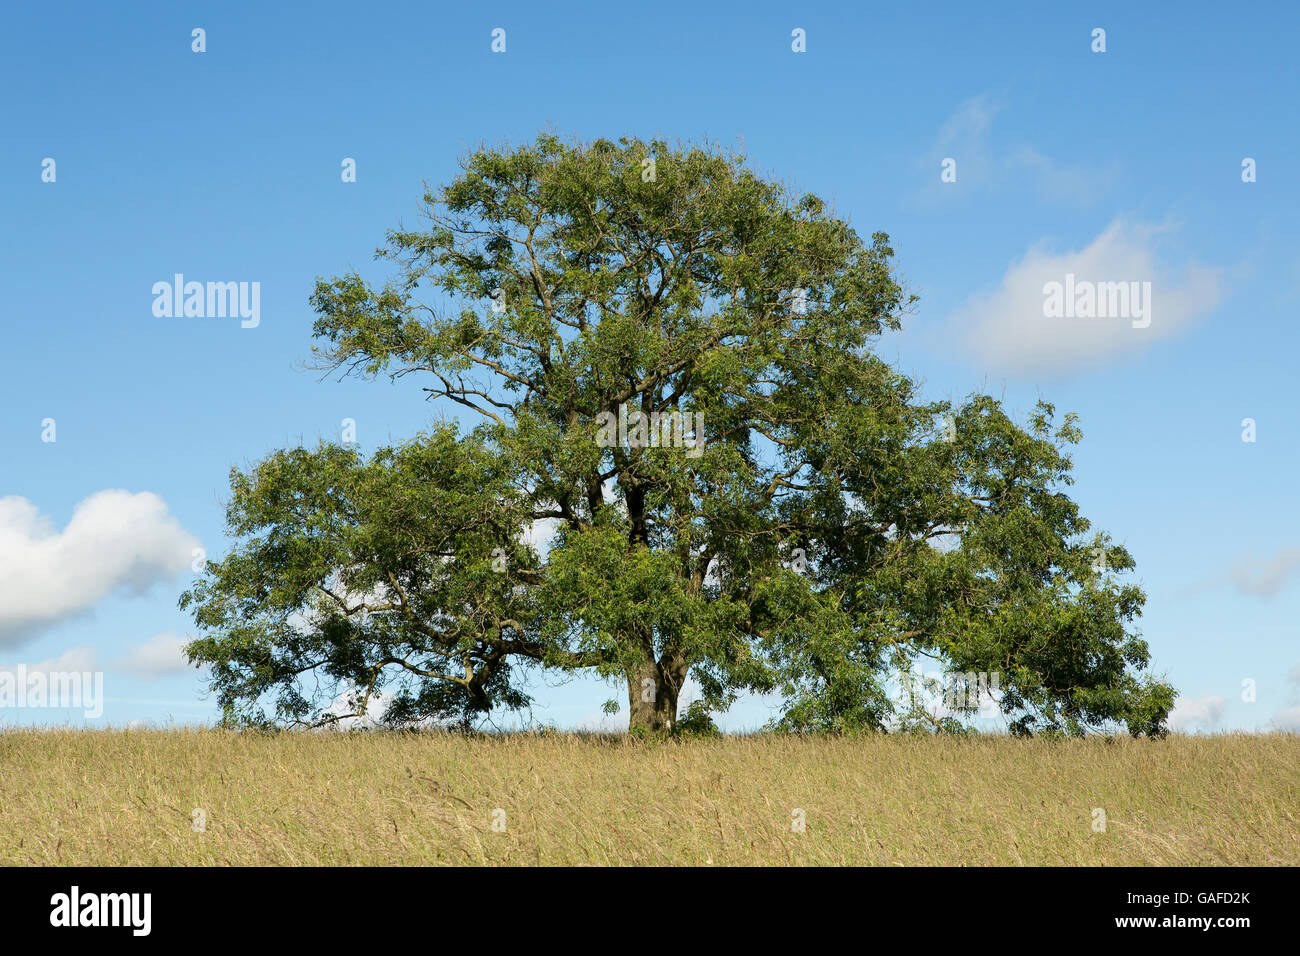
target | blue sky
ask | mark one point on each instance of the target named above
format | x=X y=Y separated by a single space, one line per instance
x=225 y=166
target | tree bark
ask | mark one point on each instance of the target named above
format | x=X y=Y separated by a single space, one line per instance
x=652 y=692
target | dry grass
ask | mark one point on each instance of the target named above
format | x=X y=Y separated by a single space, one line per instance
x=126 y=798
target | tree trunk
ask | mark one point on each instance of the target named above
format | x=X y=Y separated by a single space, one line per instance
x=652 y=692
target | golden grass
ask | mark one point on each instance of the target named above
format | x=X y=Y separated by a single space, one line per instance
x=127 y=798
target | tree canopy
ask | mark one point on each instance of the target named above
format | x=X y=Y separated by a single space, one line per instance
x=667 y=361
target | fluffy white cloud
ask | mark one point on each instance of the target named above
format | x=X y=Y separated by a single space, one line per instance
x=159 y=656
x=1007 y=328
x=115 y=541
x=1203 y=713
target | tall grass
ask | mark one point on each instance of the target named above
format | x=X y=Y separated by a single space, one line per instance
x=130 y=797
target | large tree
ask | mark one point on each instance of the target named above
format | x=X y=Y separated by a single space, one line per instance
x=666 y=360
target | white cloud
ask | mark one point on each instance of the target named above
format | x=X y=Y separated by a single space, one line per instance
x=541 y=534
x=1265 y=577
x=1288 y=718
x=602 y=723
x=76 y=660
x=1203 y=713
x=159 y=656
x=115 y=541
x=1006 y=328
x=347 y=701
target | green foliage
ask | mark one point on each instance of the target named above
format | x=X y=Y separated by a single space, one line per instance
x=696 y=722
x=833 y=529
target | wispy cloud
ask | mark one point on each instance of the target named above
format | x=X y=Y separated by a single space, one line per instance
x=1250 y=575
x=966 y=137
x=1265 y=577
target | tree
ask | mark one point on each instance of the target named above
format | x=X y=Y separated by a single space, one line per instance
x=669 y=360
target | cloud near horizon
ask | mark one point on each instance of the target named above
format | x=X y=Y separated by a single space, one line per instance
x=1204 y=713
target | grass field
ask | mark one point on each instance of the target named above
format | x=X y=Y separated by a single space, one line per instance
x=130 y=797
